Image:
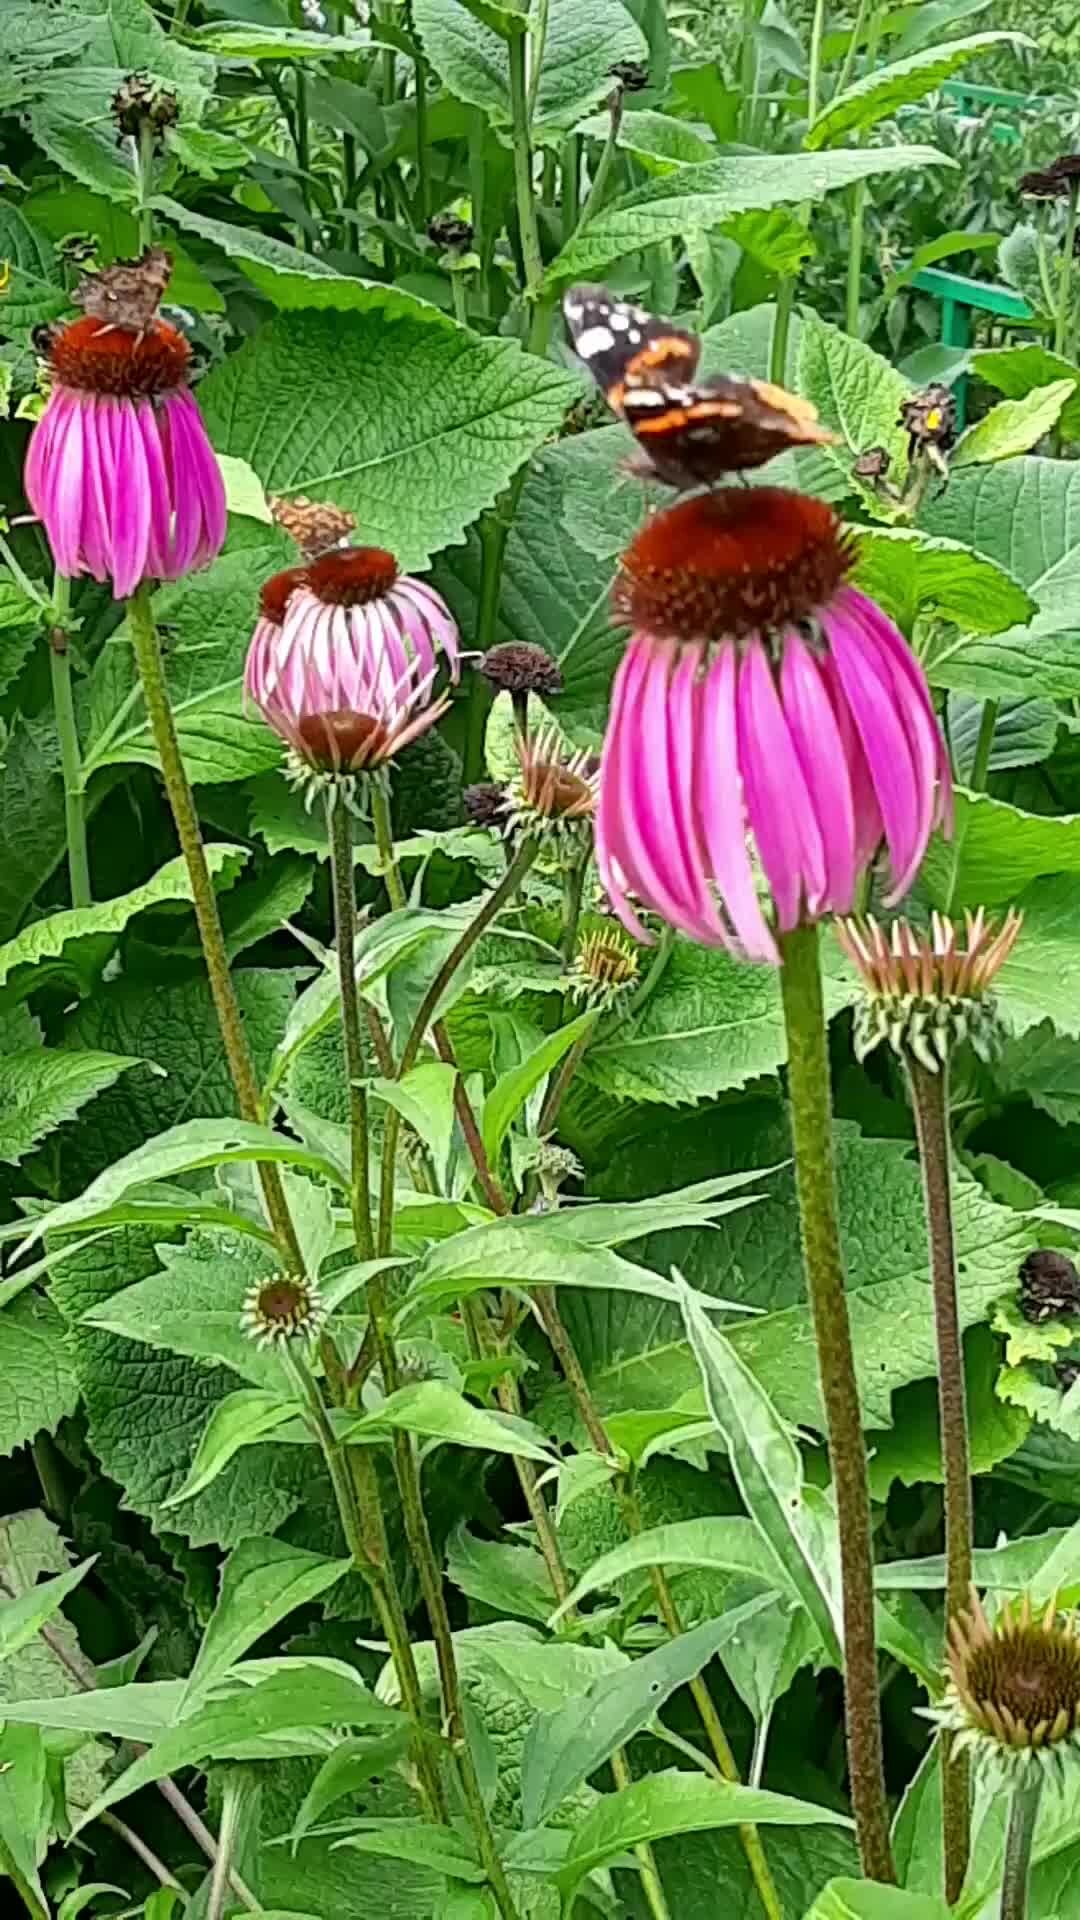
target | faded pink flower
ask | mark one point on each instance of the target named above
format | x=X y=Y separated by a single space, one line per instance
x=343 y=658
x=760 y=696
x=120 y=469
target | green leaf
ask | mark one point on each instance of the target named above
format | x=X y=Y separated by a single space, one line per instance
x=262 y=1581
x=35 y=292
x=878 y=95
x=1018 y=371
x=857 y=393
x=996 y=852
x=208 y=618
x=434 y=1409
x=1012 y=427
x=511 y=1090
x=40 y=1088
x=22 y=1618
x=59 y=211
x=32 y=838
x=706 y=196
x=25 y=1804
x=425 y=1098
x=726 y=1543
x=863 y=1900
x=768 y=1471
x=1045 y=1563
x=439 y=1848
x=301 y=1694
x=1025 y=514
x=57 y=934
x=184 y=1149
x=241 y=1419
x=1041 y=978
x=440 y=420
x=712 y=1023
x=37 y=1383
x=511 y=1580
x=563 y=1748
x=238 y=41
x=670 y=1803
x=910 y=1450
x=579 y=49
x=349 y=1766
x=90 y=156
x=30 y=1546
x=910 y=573
x=192 y=1305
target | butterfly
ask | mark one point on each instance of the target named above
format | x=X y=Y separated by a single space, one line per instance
x=691 y=431
x=128 y=293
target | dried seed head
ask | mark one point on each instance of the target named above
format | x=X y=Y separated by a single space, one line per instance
x=450 y=232
x=142 y=101
x=873 y=465
x=1049 y=1286
x=315 y=525
x=632 y=75
x=1013 y=1695
x=283 y=1307
x=926 y=993
x=555 y=791
x=485 y=804
x=930 y=422
x=517 y=667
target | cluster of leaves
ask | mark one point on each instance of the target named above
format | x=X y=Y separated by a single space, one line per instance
x=176 y=1602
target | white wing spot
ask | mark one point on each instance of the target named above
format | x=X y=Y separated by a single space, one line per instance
x=594 y=340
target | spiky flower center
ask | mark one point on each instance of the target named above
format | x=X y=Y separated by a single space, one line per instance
x=275 y=593
x=94 y=357
x=1017 y=1681
x=352 y=576
x=342 y=739
x=554 y=784
x=926 y=993
x=732 y=562
x=284 y=1307
x=519 y=667
x=608 y=958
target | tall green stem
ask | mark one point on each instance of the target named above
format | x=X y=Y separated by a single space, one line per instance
x=748 y=65
x=423 y=191
x=339 y=821
x=930 y=1099
x=523 y=166
x=813 y=84
x=781 y=331
x=860 y=191
x=594 y=199
x=1023 y=1819
x=232 y=1803
x=389 y=870
x=1061 y=323
x=144 y=174
x=852 y=48
x=67 y=734
x=571 y=185
x=811 y=1126
x=536 y=61
x=230 y=1020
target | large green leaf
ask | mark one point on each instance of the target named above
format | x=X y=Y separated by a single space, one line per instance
x=879 y=94
x=1012 y=427
x=241 y=1420
x=208 y=619
x=41 y=1087
x=192 y=1305
x=32 y=837
x=512 y=1089
x=724 y=1543
x=768 y=1470
x=37 y=1382
x=436 y=1411
x=908 y=573
x=438 y=419
x=674 y=1802
x=863 y=1900
x=634 y=1351
x=35 y=293
x=996 y=852
x=1018 y=371
x=856 y=392
x=1025 y=514
x=582 y=43
x=706 y=196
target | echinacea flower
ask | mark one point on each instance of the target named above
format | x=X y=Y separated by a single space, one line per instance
x=120 y=470
x=554 y=792
x=928 y=992
x=282 y=1307
x=605 y=967
x=1013 y=1696
x=343 y=660
x=759 y=692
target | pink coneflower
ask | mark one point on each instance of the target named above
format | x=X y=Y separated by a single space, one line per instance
x=759 y=694
x=343 y=659
x=120 y=470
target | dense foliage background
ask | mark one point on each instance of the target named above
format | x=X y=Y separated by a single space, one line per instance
x=351 y=350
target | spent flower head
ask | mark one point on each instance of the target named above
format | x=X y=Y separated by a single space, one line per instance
x=759 y=692
x=1049 y=1286
x=928 y=992
x=1013 y=1693
x=554 y=792
x=282 y=1307
x=605 y=968
x=518 y=667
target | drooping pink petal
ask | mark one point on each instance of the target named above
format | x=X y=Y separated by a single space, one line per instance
x=723 y=819
x=896 y=778
x=820 y=752
x=614 y=859
x=777 y=800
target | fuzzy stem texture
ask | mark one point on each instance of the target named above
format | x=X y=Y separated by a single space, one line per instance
x=181 y=800
x=811 y=1126
x=344 y=890
x=930 y=1099
x=67 y=734
x=1023 y=1819
x=1061 y=322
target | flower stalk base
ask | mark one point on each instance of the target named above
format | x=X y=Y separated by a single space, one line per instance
x=811 y=1125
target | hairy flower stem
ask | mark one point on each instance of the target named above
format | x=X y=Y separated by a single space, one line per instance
x=339 y=821
x=573 y=1373
x=930 y=1099
x=353 y=1478
x=369 y=1532
x=609 y=152
x=181 y=800
x=67 y=734
x=811 y=1125
x=1023 y=1819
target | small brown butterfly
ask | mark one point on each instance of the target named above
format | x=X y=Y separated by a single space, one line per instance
x=127 y=294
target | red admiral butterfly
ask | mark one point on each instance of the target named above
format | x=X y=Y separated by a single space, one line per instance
x=691 y=431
